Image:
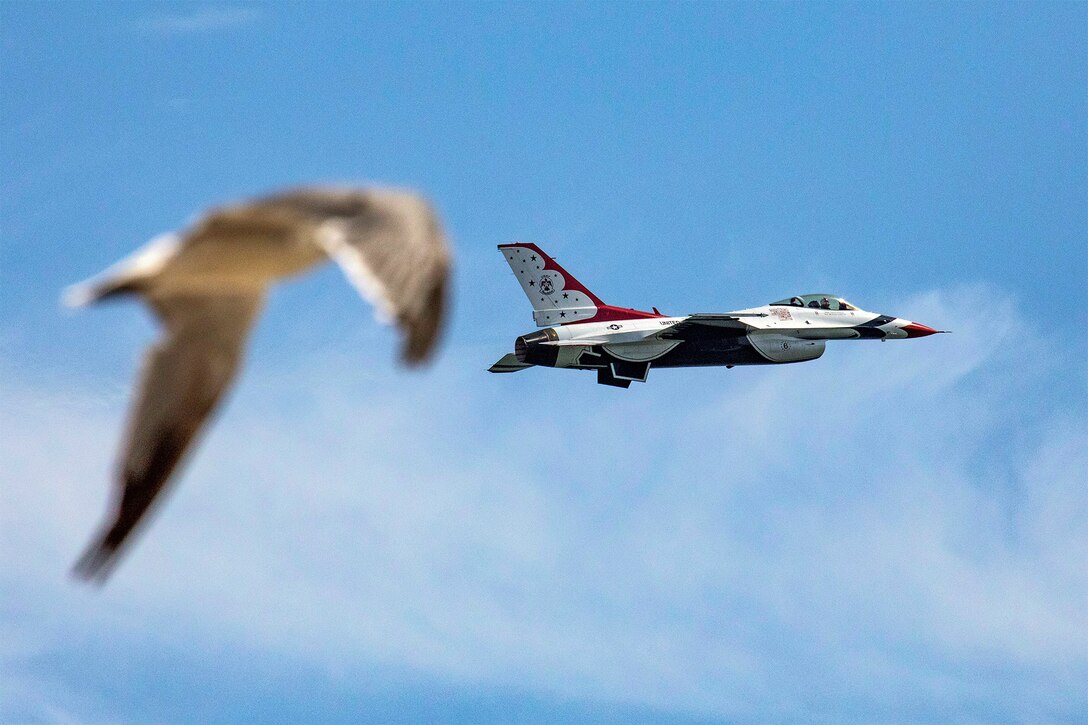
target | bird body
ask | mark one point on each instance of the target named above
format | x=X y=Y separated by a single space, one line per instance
x=207 y=286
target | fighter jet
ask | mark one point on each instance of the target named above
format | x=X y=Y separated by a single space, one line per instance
x=583 y=333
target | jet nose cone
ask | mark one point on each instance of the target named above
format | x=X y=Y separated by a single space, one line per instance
x=915 y=329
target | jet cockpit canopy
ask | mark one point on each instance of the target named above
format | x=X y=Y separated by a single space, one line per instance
x=818 y=301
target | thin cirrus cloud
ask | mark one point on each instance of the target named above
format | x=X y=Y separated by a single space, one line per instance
x=827 y=539
x=203 y=20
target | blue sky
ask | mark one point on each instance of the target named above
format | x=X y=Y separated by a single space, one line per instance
x=893 y=532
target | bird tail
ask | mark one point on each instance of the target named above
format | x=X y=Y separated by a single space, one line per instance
x=89 y=292
x=127 y=275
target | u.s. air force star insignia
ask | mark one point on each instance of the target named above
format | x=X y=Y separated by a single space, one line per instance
x=546 y=284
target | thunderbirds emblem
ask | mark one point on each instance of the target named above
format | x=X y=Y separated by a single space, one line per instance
x=546 y=285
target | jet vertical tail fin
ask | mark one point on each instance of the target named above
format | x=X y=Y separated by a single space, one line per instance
x=558 y=298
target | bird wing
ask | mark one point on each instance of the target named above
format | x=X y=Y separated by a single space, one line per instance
x=388 y=242
x=185 y=375
x=391 y=247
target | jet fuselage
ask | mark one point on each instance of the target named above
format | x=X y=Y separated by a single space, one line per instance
x=622 y=345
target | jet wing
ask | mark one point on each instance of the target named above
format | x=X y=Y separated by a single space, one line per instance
x=704 y=323
x=575 y=343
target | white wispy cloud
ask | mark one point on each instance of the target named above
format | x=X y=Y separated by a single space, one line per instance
x=831 y=538
x=202 y=20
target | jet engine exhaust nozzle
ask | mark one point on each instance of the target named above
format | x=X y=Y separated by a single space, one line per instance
x=529 y=350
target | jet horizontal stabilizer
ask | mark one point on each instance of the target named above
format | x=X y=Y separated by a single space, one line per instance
x=508 y=364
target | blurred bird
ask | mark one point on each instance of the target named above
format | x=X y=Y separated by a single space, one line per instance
x=206 y=284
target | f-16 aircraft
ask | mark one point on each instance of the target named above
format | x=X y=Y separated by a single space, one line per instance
x=583 y=333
